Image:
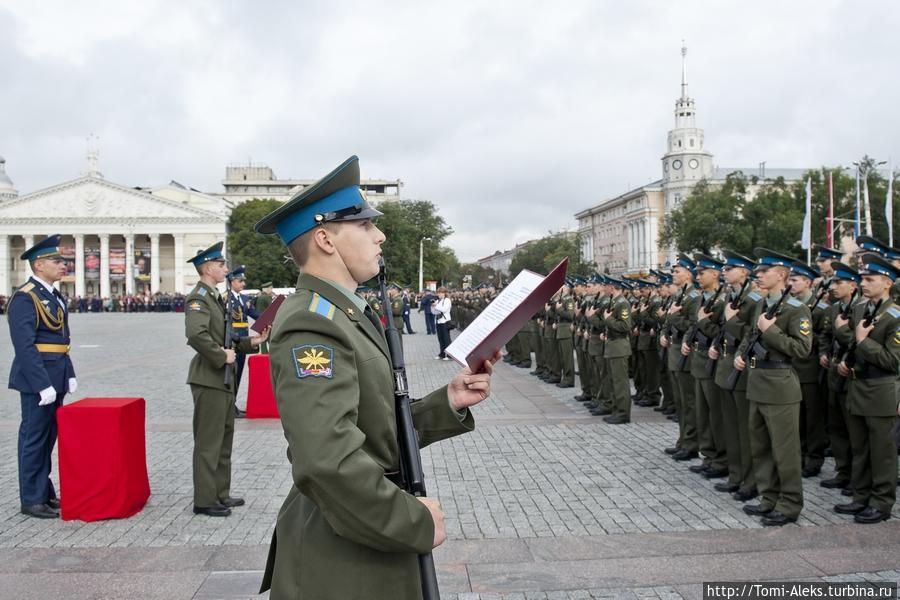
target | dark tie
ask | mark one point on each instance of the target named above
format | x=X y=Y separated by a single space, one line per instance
x=59 y=297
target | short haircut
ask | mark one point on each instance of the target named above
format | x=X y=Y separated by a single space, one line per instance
x=299 y=247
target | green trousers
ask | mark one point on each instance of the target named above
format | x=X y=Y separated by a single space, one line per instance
x=838 y=415
x=874 y=470
x=687 y=419
x=815 y=405
x=213 y=435
x=566 y=358
x=618 y=375
x=775 y=444
x=711 y=436
x=652 y=372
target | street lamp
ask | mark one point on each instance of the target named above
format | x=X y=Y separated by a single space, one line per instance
x=421 y=242
x=862 y=172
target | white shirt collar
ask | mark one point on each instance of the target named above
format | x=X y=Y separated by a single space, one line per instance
x=48 y=286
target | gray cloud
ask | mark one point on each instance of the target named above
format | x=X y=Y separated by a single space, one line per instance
x=510 y=116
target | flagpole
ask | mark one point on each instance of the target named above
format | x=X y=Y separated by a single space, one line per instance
x=856 y=230
x=889 y=203
x=830 y=210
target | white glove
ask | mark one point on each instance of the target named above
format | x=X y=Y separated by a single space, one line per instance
x=73 y=385
x=48 y=396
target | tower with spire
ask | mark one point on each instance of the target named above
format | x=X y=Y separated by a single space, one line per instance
x=7 y=190
x=685 y=161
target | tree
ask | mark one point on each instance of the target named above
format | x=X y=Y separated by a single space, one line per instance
x=262 y=254
x=542 y=255
x=711 y=216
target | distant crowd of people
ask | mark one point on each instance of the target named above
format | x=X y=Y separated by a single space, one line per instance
x=158 y=302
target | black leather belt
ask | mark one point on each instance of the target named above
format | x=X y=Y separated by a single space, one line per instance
x=678 y=337
x=870 y=372
x=769 y=364
x=698 y=347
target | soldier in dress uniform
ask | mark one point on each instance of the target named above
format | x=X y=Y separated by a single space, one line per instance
x=773 y=389
x=213 y=384
x=41 y=372
x=565 y=317
x=646 y=322
x=872 y=397
x=396 y=306
x=346 y=529
x=241 y=308
x=601 y=403
x=263 y=301
x=617 y=349
x=814 y=405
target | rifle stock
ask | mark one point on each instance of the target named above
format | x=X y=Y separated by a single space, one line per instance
x=756 y=334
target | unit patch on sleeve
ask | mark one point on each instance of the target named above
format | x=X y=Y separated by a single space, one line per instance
x=313 y=361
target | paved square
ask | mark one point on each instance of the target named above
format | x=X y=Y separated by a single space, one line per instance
x=542 y=500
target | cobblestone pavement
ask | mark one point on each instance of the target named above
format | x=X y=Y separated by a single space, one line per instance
x=542 y=500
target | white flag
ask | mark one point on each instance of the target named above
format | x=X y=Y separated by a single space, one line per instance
x=806 y=240
x=889 y=205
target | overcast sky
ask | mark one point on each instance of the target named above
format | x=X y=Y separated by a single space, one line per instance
x=509 y=116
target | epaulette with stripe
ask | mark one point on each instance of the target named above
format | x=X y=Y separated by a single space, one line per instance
x=754 y=296
x=321 y=306
x=894 y=312
x=794 y=302
x=693 y=294
x=822 y=304
x=26 y=288
x=201 y=290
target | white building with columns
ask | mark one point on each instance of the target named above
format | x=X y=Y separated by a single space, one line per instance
x=118 y=239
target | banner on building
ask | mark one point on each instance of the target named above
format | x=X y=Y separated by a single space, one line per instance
x=117 y=264
x=68 y=256
x=142 y=264
x=92 y=264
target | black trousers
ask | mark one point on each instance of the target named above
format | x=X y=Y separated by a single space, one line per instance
x=443 y=333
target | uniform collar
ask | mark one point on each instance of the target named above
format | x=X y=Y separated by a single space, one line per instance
x=47 y=286
x=351 y=304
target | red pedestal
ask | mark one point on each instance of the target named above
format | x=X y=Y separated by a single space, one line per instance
x=102 y=459
x=260 y=397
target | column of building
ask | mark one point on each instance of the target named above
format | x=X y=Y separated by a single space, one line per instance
x=154 y=263
x=129 y=263
x=4 y=265
x=79 y=265
x=104 y=266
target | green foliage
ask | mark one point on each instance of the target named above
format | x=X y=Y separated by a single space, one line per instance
x=542 y=255
x=742 y=214
x=262 y=254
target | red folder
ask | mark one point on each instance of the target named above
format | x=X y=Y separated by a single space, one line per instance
x=512 y=324
x=268 y=315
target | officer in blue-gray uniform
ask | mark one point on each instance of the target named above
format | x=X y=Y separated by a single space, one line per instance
x=240 y=307
x=41 y=372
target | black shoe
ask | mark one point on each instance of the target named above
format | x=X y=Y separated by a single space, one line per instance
x=535 y=372
x=726 y=487
x=219 y=510
x=757 y=510
x=552 y=380
x=660 y=408
x=669 y=411
x=871 y=515
x=40 y=511
x=238 y=413
x=745 y=495
x=601 y=412
x=698 y=468
x=685 y=455
x=828 y=452
x=616 y=420
x=847 y=491
x=850 y=508
x=715 y=473
x=53 y=503
x=672 y=450
x=524 y=365
x=673 y=418
x=811 y=471
x=776 y=519
x=647 y=403
x=592 y=405
x=833 y=483
x=230 y=502
x=565 y=385
x=581 y=398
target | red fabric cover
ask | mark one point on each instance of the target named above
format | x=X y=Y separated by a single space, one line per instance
x=260 y=397
x=102 y=458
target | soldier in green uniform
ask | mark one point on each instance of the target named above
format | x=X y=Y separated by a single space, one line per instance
x=346 y=529
x=814 y=405
x=601 y=405
x=872 y=397
x=263 y=301
x=666 y=289
x=832 y=346
x=774 y=393
x=565 y=313
x=211 y=376
x=396 y=301
x=617 y=349
x=735 y=407
x=579 y=342
x=707 y=396
x=678 y=321
x=552 y=348
x=646 y=322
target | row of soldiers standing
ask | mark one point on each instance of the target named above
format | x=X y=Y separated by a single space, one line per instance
x=765 y=364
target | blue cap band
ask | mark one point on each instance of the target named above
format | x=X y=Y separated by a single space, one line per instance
x=304 y=219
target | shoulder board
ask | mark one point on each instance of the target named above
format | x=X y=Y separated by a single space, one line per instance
x=862 y=300
x=321 y=306
x=201 y=291
x=754 y=296
x=794 y=302
x=822 y=304
x=26 y=288
x=894 y=312
x=693 y=294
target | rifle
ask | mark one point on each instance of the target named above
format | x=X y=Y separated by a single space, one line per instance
x=707 y=307
x=849 y=357
x=670 y=329
x=711 y=364
x=229 y=338
x=407 y=440
x=754 y=338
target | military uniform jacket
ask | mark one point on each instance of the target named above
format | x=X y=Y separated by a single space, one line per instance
x=618 y=328
x=263 y=301
x=707 y=330
x=397 y=312
x=679 y=323
x=35 y=316
x=345 y=530
x=736 y=329
x=808 y=368
x=204 y=327
x=833 y=341
x=789 y=338
x=596 y=345
x=240 y=310
x=873 y=382
x=566 y=316
x=646 y=322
